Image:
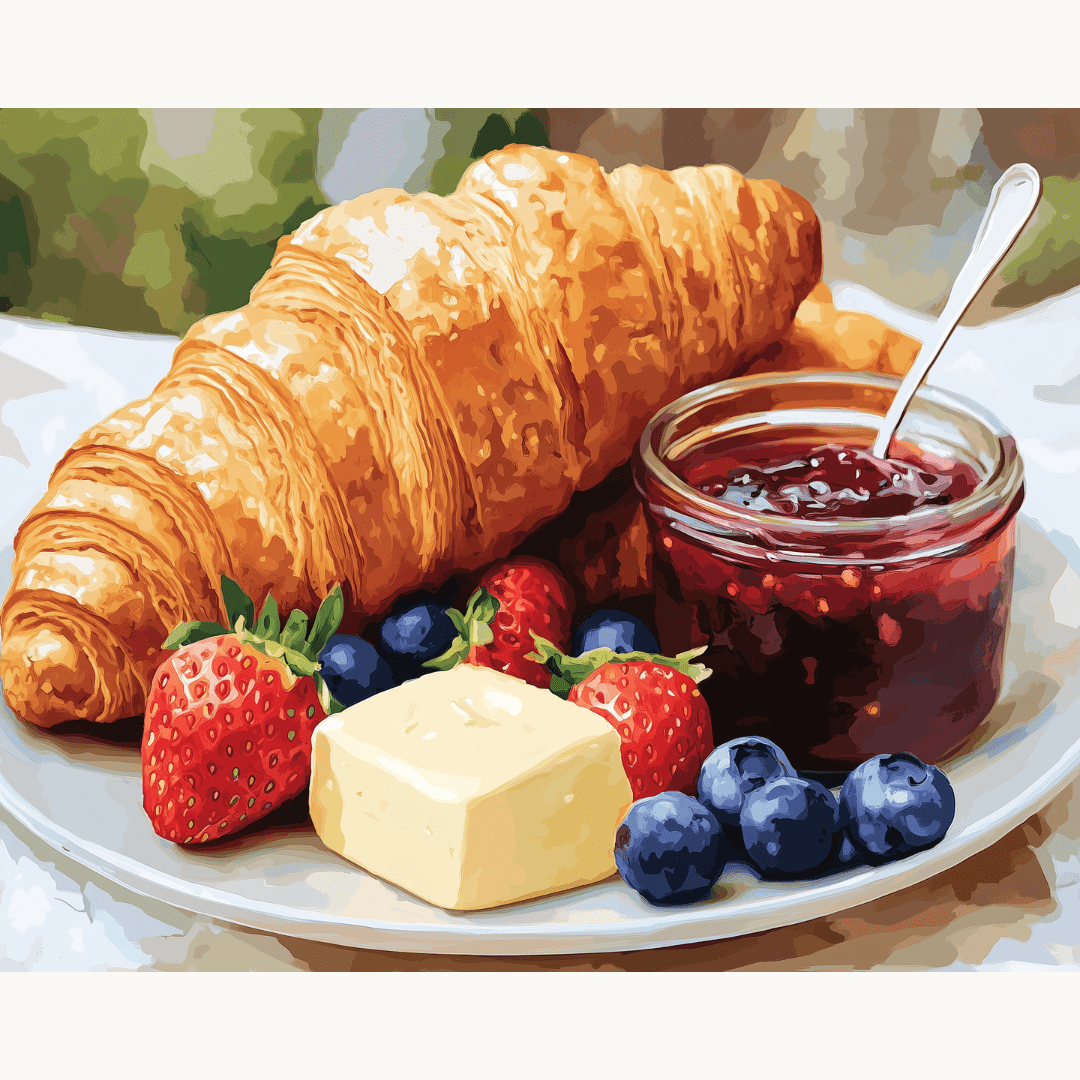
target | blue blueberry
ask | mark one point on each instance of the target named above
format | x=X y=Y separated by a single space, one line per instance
x=353 y=669
x=844 y=856
x=669 y=848
x=735 y=769
x=847 y=854
x=893 y=805
x=615 y=630
x=789 y=826
x=418 y=631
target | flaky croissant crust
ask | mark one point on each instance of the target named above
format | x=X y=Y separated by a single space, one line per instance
x=417 y=383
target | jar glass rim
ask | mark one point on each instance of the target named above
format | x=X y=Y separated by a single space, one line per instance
x=996 y=497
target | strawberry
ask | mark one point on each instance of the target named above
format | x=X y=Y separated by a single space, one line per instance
x=653 y=703
x=513 y=600
x=229 y=717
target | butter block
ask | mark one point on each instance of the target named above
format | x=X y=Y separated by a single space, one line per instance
x=470 y=789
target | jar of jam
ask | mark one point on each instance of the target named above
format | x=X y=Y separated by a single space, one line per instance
x=849 y=606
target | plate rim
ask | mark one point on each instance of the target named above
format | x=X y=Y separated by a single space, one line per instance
x=653 y=931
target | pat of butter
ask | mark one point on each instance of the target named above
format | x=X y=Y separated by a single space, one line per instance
x=470 y=789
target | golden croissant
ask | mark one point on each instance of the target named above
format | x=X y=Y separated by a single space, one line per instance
x=417 y=383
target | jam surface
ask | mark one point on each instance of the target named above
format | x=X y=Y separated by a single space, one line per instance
x=830 y=481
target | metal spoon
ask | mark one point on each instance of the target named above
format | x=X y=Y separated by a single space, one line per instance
x=1012 y=202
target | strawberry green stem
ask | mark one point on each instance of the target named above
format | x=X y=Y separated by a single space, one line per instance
x=568 y=671
x=473 y=627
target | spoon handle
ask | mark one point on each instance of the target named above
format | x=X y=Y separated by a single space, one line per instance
x=1012 y=202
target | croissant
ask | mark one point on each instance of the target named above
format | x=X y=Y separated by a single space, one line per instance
x=821 y=337
x=417 y=383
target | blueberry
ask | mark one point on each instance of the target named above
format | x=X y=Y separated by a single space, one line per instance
x=844 y=856
x=615 y=630
x=893 y=805
x=353 y=669
x=789 y=826
x=419 y=630
x=732 y=771
x=847 y=854
x=669 y=848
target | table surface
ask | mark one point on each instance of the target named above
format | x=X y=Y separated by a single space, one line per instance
x=1014 y=905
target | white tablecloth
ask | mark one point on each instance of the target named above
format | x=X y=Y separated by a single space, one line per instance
x=1016 y=904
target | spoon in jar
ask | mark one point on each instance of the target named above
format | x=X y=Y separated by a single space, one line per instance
x=1012 y=202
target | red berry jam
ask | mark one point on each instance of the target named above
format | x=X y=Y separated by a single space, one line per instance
x=826 y=481
x=849 y=606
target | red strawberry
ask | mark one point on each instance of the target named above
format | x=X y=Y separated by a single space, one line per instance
x=660 y=716
x=514 y=600
x=653 y=703
x=229 y=717
x=533 y=597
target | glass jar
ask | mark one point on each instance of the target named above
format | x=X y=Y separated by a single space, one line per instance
x=838 y=638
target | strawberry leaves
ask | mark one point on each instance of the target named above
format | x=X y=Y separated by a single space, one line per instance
x=473 y=627
x=293 y=645
x=237 y=603
x=293 y=659
x=189 y=632
x=295 y=633
x=269 y=624
x=568 y=671
x=326 y=622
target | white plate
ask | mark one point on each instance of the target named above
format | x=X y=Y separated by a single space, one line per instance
x=83 y=796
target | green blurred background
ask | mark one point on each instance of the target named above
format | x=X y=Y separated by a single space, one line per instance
x=148 y=219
